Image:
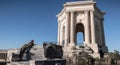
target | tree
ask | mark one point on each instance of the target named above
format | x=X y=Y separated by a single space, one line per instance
x=116 y=55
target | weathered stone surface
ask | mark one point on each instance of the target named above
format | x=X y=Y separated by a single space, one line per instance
x=37 y=52
x=85 y=17
x=51 y=62
x=40 y=62
x=19 y=63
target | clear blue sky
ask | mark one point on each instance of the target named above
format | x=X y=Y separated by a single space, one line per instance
x=23 y=20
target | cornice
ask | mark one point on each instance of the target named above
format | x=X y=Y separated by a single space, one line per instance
x=79 y=3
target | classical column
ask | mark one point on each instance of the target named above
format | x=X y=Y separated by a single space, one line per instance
x=66 y=28
x=72 y=30
x=87 y=32
x=92 y=26
x=58 y=33
x=61 y=34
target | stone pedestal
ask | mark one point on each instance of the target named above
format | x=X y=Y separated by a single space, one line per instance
x=40 y=62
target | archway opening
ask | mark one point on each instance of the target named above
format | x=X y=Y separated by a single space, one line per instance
x=80 y=38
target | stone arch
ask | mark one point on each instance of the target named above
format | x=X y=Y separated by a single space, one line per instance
x=79 y=29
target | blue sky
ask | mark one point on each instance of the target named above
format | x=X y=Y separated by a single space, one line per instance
x=24 y=20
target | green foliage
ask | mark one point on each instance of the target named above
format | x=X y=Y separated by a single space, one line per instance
x=112 y=59
x=116 y=52
x=85 y=59
x=116 y=55
x=100 y=61
x=82 y=61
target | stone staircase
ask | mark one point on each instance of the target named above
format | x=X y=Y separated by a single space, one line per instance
x=82 y=48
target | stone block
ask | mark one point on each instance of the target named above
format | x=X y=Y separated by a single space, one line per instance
x=51 y=62
x=40 y=62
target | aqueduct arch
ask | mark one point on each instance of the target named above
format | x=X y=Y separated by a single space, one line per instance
x=85 y=17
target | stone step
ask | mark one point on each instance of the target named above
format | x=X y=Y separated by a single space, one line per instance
x=19 y=63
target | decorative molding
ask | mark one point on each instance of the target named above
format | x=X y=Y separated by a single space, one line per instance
x=80 y=16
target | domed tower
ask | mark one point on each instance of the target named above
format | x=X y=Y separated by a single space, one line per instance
x=84 y=17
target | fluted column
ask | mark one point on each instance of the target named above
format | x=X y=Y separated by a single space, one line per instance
x=87 y=32
x=92 y=26
x=66 y=28
x=72 y=30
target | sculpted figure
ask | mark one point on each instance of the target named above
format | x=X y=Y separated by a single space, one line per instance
x=25 y=49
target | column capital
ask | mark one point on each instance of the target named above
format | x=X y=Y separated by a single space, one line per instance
x=91 y=10
x=67 y=12
x=72 y=11
x=86 y=11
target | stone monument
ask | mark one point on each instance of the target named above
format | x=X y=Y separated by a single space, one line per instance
x=85 y=17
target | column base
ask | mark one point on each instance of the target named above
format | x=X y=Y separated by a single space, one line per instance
x=86 y=44
x=95 y=55
x=71 y=44
x=94 y=47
